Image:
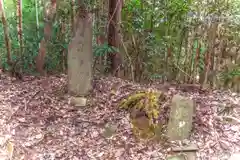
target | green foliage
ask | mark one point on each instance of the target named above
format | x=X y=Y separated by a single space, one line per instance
x=157 y=26
x=231 y=75
x=32 y=35
x=148 y=29
x=202 y=55
x=101 y=50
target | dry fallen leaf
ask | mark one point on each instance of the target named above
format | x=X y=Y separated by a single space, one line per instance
x=50 y=126
x=10 y=149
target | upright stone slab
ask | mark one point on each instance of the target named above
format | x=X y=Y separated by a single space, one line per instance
x=80 y=56
x=181 y=117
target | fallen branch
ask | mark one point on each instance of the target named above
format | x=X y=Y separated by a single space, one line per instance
x=229 y=117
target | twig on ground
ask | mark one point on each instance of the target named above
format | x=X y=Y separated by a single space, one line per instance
x=27 y=102
x=229 y=117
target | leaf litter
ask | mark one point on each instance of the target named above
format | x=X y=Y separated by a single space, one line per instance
x=38 y=122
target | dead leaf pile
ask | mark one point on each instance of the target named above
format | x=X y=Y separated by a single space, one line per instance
x=38 y=122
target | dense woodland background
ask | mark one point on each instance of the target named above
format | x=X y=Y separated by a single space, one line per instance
x=195 y=42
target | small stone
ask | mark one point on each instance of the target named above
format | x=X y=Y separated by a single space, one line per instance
x=109 y=131
x=235 y=156
x=4 y=157
x=235 y=128
x=2 y=141
x=190 y=147
x=78 y=101
x=176 y=157
x=39 y=136
x=94 y=134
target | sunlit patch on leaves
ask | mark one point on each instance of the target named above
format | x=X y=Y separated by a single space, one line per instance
x=10 y=148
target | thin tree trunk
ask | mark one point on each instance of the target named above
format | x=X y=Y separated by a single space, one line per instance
x=19 y=27
x=188 y=64
x=6 y=33
x=214 y=58
x=186 y=46
x=61 y=38
x=196 y=61
x=72 y=14
x=115 y=7
x=50 y=12
x=182 y=37
x=210 y=57
x=101 y=19
x=152 y=16
x=37 y=19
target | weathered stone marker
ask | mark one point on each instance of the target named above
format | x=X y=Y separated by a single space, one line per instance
x=181 y=117
x=80 y=57
x=180 y=126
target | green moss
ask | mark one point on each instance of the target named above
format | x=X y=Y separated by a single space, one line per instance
x=147 y=102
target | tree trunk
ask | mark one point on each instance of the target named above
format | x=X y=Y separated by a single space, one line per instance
x=80 y=56
x=115 y=8
x=72 y=15
x=37 y=17
x=196 y=62
x=19 y=27
x=210 y=57
x=6 y=33
x=49 y=16
x=101 y=21
x=188 y=64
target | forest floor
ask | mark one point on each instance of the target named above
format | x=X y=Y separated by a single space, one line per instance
x=38 y=123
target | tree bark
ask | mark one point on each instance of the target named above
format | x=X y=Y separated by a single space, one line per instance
x=19 y=27
x=6 y=33
x=210 y=56
x=115 y=8
x=49 y=16
x=72 y=15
